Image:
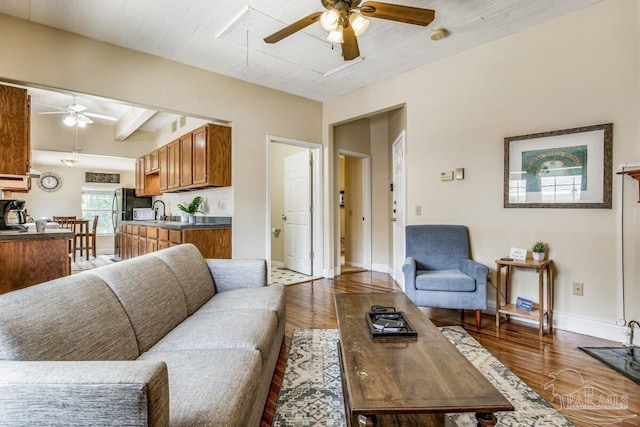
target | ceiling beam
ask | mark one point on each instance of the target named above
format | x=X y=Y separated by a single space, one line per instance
x=131 y=122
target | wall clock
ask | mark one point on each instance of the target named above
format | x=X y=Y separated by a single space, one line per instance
x=49 y=181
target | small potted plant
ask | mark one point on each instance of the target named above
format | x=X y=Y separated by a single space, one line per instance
x=192 y=208
x=538 y=249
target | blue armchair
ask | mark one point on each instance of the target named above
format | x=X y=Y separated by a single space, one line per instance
x=438 y=271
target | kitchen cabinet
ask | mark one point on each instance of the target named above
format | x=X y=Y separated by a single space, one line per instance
x=173 y=165
x=15 y=149
x=213 y=242
x=151 y=162
x=147 y=184
x=186 y=156
x=33 y=259
x=163 y=173
x=199 y=159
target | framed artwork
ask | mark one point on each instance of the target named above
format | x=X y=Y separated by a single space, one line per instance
x=103 y=178
x=570 y=168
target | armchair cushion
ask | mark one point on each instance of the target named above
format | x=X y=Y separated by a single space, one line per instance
x=444 y=280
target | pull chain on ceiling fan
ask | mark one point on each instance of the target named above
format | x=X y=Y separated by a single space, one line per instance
x=344 y=20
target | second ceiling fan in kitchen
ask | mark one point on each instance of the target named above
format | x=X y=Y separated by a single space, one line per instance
x=77 y=115
x=344 y=20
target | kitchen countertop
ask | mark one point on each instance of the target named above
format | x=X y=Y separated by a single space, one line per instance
x=203 y=222
x=33 y=234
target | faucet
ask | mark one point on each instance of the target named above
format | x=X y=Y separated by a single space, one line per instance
x=631 y=325
x=163 y=216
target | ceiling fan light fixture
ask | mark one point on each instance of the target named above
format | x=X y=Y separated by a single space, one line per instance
x=359 y=23
x=336 y=36
x=81 y=124
x=330 y=19
x=68 y=162
x=70 y=120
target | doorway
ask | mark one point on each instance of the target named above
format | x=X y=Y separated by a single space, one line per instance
x=355 y=212
x=294 y=246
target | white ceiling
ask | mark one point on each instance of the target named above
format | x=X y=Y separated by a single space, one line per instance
x=225 y=36
x=85 y=161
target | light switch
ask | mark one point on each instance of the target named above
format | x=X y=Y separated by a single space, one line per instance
x=222 y=204
x=418 y=210
x=459 y=173
x=446 y=176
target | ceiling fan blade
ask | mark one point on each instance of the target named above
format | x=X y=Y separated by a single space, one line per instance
x=55 y=107
x=54 y=112
x=295 y=27
x=100 y=116
x=395 y=12
x=350 y=44
x=84 y=119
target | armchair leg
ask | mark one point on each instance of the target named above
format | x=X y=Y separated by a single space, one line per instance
x=479 y=318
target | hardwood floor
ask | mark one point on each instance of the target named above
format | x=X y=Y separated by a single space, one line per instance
x=310 y=305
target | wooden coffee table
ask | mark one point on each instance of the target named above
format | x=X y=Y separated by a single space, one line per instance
x=406 y=381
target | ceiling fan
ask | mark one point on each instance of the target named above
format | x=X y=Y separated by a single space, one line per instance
x=344 y=20
x=77 y=115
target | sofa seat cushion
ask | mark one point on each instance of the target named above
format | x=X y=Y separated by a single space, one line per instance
x=247 y=329
x=150 y=294
x=444 y=280
x=210 y=387
x=72 y=318
x=269 y=297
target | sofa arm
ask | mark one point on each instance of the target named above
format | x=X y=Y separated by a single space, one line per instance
x=409 y=269
x=229 y=274
x=478 y=271
x=113 y=393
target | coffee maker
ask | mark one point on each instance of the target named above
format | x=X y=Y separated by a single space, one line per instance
x=12 y=211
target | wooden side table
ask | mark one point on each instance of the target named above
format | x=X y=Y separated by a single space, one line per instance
x=537 y=313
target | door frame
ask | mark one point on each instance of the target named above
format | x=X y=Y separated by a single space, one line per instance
x=366 y=209
x=317 y=223
x=399 y=258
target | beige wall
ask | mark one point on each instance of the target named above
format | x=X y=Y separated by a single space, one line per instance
x=353 y=207
x=380 y=194
x=62 y=60
x=277 y=154
x=578 y=70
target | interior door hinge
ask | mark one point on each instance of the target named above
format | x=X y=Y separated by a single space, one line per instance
x=311 y=208
x=311 y=255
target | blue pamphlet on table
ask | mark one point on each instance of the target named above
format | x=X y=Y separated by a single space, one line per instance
x=524 y=304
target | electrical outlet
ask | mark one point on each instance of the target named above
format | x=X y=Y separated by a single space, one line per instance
x=418 y=210
x=222 y=204
x=578 y=289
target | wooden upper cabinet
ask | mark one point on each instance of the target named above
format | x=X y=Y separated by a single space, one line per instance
x=186 y=164
x=140 y=176
x=211 y=156
x=163 y=167
x=15 y=146
x=155 y=161
x=173 y=165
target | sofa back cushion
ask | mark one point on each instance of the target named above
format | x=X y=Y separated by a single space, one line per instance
x=72 y=318
x=149 y=292
x=192 y=273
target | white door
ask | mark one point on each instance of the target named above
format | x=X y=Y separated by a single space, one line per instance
x=297 y=212
x=397 y=215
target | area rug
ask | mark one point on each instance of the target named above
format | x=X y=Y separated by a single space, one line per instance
x=311 y=391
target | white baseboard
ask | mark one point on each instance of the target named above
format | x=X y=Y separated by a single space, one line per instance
x=354 y=264
x=277 y=264
x=578 y=324
x=381 y=268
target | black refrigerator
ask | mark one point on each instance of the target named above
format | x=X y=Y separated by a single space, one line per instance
x=124 y=201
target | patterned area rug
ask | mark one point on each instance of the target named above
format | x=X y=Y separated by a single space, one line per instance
x=311 y=392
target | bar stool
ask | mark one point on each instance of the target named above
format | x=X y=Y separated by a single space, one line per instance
x=86 y=237
x=69 y=223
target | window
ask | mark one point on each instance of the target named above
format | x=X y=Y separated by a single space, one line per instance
x=98 y=201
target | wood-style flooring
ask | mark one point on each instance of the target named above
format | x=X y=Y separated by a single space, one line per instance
x=311 y=305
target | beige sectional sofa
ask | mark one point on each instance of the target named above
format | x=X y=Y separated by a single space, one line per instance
x=167 y=338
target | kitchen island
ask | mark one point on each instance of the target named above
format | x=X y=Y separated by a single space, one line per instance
x=211 y=235
x=32 y=257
